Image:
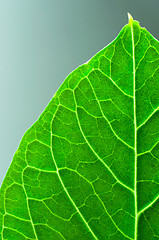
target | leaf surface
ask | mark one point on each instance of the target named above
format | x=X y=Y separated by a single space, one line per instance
x=89 y=167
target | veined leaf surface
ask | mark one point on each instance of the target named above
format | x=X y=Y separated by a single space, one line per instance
x=89 y=167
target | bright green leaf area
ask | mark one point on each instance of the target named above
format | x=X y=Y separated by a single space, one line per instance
x=89 y=167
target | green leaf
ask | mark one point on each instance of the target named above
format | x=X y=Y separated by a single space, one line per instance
x=89 y=167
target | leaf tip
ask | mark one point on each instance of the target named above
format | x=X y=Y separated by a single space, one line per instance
x=130 y=18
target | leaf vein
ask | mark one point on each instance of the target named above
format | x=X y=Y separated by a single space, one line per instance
x=62 y=183
x=124 y=185
x=120 y=139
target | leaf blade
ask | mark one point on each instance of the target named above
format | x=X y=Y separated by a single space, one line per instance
x=76 y=169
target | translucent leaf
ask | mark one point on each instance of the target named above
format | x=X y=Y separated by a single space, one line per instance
x=89 y=167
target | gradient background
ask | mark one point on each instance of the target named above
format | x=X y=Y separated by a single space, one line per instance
x=41 y=42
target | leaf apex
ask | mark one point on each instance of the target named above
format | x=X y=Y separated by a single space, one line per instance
x=130 y=18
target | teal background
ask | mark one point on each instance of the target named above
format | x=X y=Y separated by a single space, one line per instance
x=41 y=42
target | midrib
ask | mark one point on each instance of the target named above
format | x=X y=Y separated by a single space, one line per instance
x=135 y=133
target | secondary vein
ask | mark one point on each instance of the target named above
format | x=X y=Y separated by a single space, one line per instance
x=108 y=168
x=63 y=186
x=148 y=206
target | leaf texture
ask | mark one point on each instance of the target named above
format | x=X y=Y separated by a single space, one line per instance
x=89 y=167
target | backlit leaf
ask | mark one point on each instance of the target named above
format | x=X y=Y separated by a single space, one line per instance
x=89 y=167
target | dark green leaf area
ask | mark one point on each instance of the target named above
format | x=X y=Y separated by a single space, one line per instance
x=89 y=167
